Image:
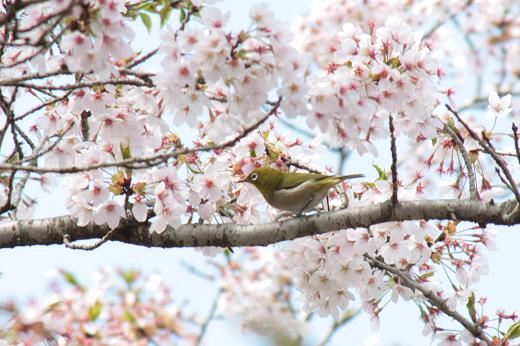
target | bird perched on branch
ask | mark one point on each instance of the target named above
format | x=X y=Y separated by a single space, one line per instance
x=294 y=192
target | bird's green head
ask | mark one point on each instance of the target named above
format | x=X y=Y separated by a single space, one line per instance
x=265 y=179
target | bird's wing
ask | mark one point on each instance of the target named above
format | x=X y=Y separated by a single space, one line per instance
x=294 y=179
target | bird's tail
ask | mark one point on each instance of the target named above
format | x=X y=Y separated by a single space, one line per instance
x=352 y=176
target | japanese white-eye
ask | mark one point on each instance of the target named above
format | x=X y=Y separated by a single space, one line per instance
x=294 y=192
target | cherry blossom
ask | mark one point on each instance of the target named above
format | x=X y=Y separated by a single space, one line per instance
x=109 y=213
x=499 y=106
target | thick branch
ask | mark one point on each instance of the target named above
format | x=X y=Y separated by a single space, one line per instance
x=51 y=231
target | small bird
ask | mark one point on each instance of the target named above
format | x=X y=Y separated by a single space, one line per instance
x=294 y=192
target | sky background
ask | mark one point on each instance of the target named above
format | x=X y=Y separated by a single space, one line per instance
x=25 y=270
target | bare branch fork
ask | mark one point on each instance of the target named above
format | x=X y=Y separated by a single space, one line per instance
x=405 y=279
x=469 y=166
x=51 y=231
x=487 y=146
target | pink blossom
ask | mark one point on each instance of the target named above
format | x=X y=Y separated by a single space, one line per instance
x=110 y=213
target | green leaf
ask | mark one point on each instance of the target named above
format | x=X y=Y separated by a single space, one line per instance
x=451 y=123
x=164 y=14
x=147 y=21
x=380 y=172
x=94 y=311
x=394 y=62
x=70 y=278
x=125 y=151
x=434 y=141
x=241 y=54
x=127 y=316
x=194 y=171
x=146 y=6
x=115 y=189
x=182 y=16
x=513 y=332
x=130 y=276
x=427 y=275
x=14 y=158
x=471 y=307
x=52 y=307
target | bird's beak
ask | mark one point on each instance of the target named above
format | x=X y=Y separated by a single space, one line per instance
x=242 y=180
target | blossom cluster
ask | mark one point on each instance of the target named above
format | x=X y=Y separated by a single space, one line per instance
x=316 y=33
x=94 y=41
x=99 y=46
x=208 y=75
x=118 y=308
x=331 y=270
x=327 y=268
x=258 y=292
x=370 y=77
x=222 y=79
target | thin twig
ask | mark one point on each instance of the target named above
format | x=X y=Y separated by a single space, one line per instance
x=39 y=153
x=87 y=247
x=208 y=319
x=393 y=149
x=465 y=157
x=515 y=139
x=347 y=317
x=489 y=150
x=502 y=179
x=37 y=75
x=81 y=85
x=405 y=280
x=446 y=20
x=143 y=58
x=150 y=161
x=501 y=153
x=43 y=105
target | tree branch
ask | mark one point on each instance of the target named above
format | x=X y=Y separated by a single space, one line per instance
x=432 y=298
x=50 y=231
x=486 y=145
x=467 y=161
x=393 y=149
x=209 y=318
x=452 y=16
x=149 y=161
x=515 y=139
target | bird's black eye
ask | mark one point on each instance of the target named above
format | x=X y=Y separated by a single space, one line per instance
x=254 y=176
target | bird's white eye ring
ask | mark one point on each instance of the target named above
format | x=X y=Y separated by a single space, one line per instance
x=254 y=176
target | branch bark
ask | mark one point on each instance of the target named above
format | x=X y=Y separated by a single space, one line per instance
x=51 y=231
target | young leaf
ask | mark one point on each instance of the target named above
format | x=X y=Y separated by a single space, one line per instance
x=94 y=311
x=71 y=279
x=513 y=332
x=471 y=307
x=164 y=14
x=147 y=21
